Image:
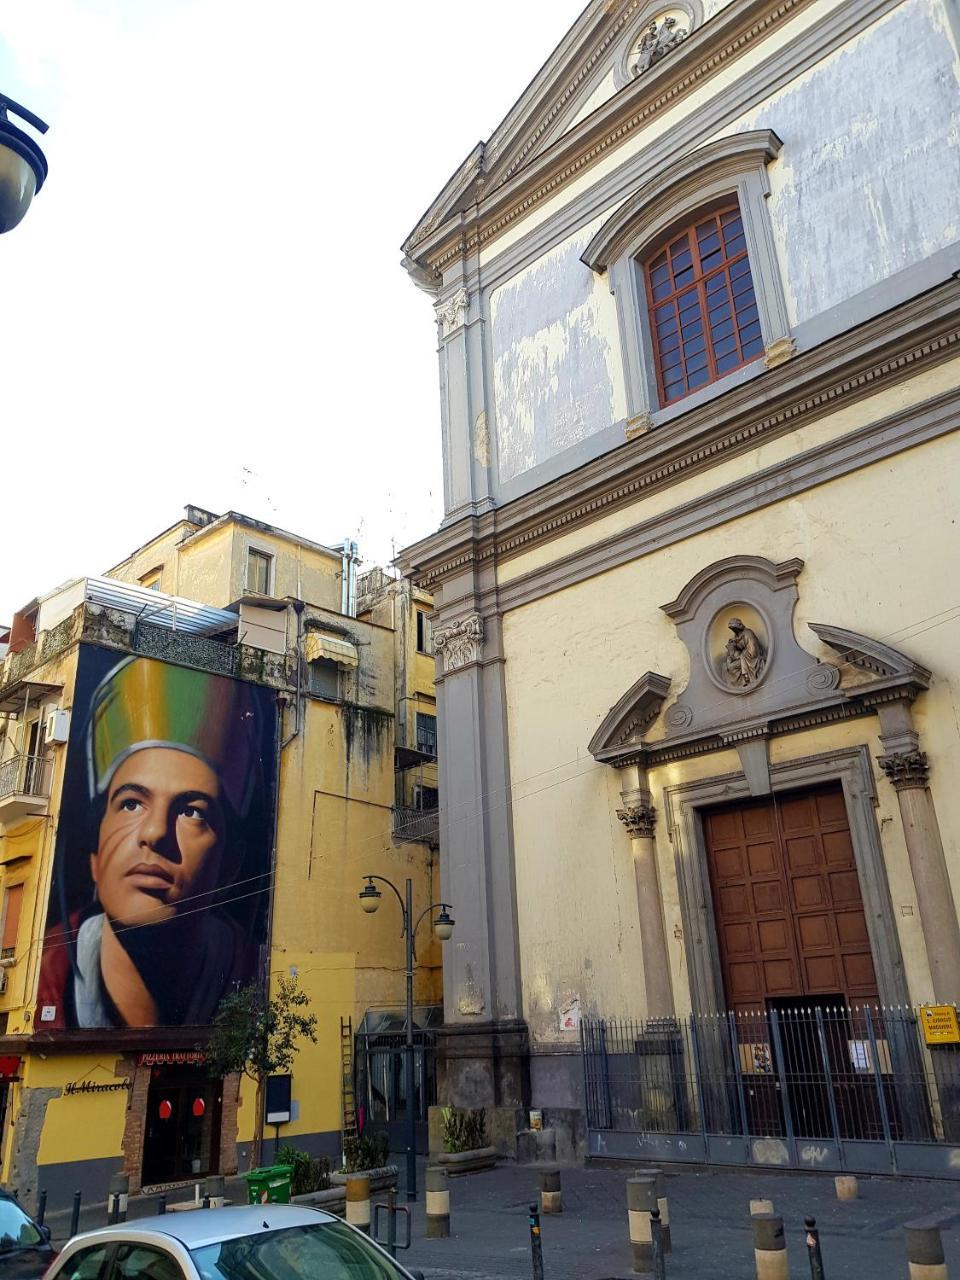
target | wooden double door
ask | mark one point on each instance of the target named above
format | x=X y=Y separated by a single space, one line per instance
x=793 y=942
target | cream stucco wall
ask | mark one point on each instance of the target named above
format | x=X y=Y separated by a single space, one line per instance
x=881 y=549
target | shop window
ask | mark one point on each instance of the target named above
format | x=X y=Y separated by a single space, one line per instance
x=12 y=903
x=424 y=632
x=427 y=734
x=259 y=566
x=702 y=309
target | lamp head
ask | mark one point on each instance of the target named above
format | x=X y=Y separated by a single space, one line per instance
x=443 y=925
x=370 y=897
x=23 y=165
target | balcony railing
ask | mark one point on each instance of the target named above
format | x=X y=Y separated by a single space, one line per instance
x=25 y=776
x=416 y=824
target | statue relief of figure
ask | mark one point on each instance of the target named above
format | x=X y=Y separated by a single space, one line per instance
x=657 y=41
x=744 y=657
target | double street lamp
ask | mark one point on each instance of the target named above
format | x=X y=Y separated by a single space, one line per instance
x=370 y=898
x=23 y=166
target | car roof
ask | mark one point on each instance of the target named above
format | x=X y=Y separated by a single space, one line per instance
x=198 y=1227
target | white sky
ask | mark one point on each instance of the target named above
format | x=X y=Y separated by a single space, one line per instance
x=205 y=303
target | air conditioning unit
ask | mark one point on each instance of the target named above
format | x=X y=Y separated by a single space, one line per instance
x=56 y=727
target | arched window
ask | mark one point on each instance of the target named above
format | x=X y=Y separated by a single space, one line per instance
x=704 y=319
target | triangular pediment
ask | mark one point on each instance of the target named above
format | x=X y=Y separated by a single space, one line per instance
x=621 y=733
x=596 y=60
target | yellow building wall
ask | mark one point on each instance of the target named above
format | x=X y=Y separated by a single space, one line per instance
x=160 y=551
x=875 y=563
x=337 y=794
x=79 y=1126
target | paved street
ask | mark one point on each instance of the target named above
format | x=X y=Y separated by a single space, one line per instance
x=709 y=1214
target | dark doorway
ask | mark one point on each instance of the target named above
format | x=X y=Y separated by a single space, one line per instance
x=182 y=1133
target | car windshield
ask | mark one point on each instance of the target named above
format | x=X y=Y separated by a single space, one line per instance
x=16 y=1229
x=327 y=1251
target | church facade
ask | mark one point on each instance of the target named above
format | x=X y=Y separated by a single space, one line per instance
x=696 y=586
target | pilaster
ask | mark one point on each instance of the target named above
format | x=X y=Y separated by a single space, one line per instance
x=907 y=769
x=639 y=817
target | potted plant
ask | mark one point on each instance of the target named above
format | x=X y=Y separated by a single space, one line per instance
x=465 y=1148
x=368 y=1155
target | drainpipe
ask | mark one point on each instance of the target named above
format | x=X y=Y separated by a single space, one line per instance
x=298 y=607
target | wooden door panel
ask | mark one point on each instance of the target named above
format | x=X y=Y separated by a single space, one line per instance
x=787 y=900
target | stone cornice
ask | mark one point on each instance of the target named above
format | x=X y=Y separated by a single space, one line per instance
x=487 y=209
x=894 y=346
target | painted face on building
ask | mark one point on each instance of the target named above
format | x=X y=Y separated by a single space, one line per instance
x=161 y=839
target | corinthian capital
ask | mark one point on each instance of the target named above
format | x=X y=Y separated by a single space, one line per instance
x=639 y=819
x=906 y=769
x=461 y=643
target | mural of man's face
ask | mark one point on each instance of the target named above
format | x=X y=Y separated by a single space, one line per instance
x=161 y=837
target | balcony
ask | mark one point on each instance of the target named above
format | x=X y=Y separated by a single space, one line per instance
x=24 y=787
x=416 y=824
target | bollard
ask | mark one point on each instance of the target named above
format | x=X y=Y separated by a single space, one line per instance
x=205 y=1202
x=925 y=1257
x=770 y=1247
x=162 y=1206
x=656 y=1245
x=761 y=1206
x=117 y=1198
x=813 y=1249
x=358 y=1203
x=75 y=1215
x=550 y=1199
x=536 y=1243
x=641 y=1202
x=846 y=1187
x=41 y=1206
x=213 y=1190
x=438 y=1203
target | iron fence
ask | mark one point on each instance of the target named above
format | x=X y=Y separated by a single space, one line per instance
x=787 y=1085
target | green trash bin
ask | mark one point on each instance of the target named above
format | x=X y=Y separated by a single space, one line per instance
x=269 y=1185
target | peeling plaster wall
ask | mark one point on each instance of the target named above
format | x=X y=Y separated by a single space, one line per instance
x=869 y=179
x=556 y=365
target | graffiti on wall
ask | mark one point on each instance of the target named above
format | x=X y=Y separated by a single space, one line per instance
x=162 y=869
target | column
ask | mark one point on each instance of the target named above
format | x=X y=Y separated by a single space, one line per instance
x=483 y=1045
x=906 y=767
x=639 y=817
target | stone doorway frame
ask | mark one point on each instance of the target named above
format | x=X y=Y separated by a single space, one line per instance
x=683 y=806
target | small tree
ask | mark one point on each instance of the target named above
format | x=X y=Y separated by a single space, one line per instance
x=257 y=1036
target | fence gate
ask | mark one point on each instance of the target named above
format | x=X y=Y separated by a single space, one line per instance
x=381 y=1084
x=820 y=1086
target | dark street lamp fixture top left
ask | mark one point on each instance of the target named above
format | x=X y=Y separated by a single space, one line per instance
x=23 y=166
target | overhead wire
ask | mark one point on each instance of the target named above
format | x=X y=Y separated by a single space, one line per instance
x=472 y=814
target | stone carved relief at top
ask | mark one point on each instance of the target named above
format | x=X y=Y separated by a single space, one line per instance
x=661 y=37
x=744 y=657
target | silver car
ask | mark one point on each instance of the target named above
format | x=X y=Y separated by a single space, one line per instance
x=257 y=1242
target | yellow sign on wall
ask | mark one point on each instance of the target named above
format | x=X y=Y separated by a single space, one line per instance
x=940 y=1024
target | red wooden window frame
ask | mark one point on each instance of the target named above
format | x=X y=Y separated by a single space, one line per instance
x=701 y=270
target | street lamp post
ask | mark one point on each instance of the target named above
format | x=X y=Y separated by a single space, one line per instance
x=23 y=166
x=370 y=897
